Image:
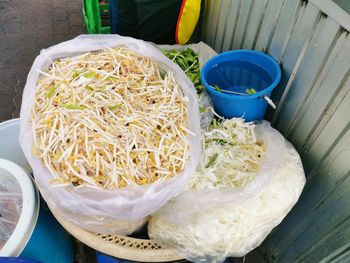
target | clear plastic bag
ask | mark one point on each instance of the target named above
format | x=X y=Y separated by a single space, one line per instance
x=98 y=210
x=10 y=206
x=205 y=53
x=269 y=166
x=210 y=226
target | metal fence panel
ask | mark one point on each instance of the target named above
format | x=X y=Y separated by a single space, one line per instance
x=311 y=41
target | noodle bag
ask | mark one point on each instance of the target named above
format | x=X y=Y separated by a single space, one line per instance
x=210 y=225
x=110 y=212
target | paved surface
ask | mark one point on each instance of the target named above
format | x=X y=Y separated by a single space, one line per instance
x=26 y=27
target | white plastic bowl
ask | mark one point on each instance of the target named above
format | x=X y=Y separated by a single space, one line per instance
x=10 y=171
x=9 y=144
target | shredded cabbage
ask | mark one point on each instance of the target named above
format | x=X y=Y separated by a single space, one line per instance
x=231 y=156
x=222 y=229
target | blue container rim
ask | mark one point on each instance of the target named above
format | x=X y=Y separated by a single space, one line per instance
x=261 y=93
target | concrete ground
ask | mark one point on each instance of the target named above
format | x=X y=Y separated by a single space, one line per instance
x=26 y=27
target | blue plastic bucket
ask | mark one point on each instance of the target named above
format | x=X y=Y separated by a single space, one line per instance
x=102 y=258
x=236 y=71
x=49 y=242
x=17 y=260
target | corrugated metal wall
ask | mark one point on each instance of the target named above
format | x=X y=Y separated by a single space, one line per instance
x=311 y=41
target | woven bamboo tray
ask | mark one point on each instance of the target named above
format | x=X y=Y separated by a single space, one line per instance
x=140 y=250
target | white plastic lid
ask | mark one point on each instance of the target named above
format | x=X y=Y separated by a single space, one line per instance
x=30 y=207
x=10 y=148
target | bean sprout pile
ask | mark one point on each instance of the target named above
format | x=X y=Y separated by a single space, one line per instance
x=231 y=155
x=109 y=119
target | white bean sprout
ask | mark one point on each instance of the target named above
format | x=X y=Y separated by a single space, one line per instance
x=110 y=119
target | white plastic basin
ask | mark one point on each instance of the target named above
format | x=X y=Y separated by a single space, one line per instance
x=9 y=144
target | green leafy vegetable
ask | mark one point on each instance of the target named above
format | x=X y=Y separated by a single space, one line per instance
x=217 y=88
x=203 y=109
x=218 y=141
x=113 y=107
x=51 y=91
x=89 y=88
x=72 y=107
x=90 y=75
x=214 y=123
x=76 y=72
x=187 y=59
x=250 y=91
x=212 y=160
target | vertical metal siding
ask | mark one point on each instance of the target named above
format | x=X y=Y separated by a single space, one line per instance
x=311 y=41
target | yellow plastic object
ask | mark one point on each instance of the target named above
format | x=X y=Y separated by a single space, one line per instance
x=187 y=20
